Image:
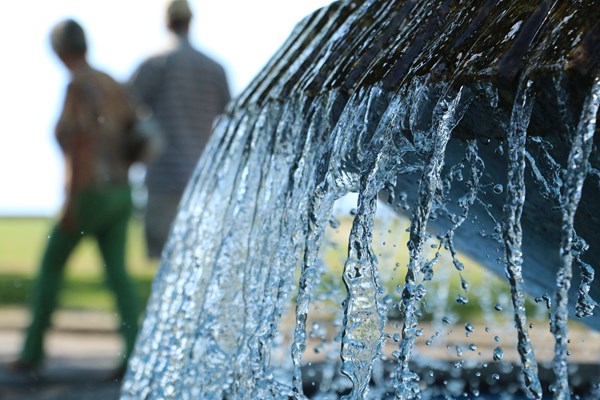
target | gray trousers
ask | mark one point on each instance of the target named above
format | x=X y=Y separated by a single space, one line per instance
x=161 y=210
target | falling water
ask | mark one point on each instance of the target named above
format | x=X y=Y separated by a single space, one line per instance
x=413 y=291
x=512 y=233
x=577 y=170
x=396 y=101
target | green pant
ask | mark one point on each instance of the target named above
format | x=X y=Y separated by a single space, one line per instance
x=104 y=214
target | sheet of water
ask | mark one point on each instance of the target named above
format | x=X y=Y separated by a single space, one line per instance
x=246 y=242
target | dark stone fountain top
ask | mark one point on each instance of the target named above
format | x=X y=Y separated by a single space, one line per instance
x=356 y=44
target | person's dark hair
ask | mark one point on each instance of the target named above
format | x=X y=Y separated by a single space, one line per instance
x=68 y=37
x=178 y=15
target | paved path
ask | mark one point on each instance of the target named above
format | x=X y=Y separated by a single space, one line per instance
x=83 y=349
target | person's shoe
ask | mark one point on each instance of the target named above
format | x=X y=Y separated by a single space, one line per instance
x=26 y=368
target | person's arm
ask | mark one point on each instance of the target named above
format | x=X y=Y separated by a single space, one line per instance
x=67 y=125
x=70 y=136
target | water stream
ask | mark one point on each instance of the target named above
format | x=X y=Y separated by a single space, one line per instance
x=404 y=113
x=513 y=234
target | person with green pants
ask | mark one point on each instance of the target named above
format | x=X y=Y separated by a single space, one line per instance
x=92 y=133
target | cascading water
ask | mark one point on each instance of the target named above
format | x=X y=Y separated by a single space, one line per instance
x=512 y=233
x=398 y=101
x=576 y=171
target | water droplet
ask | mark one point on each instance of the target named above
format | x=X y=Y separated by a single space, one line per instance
x=498 y=354
x=334 y=222
x=498 y=307
x=498 y=188
x=472 y=347
x=460 y=299
x=469 y=327
x=546 y=299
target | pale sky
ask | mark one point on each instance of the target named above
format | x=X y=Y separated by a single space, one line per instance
x=241 y=34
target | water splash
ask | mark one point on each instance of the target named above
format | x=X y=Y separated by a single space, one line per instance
x=374 y=97
x=512 y=232
x=447 y=115
x=577 y=170
x=364 y=316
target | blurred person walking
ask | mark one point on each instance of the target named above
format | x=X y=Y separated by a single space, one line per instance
x=185 y=91
x=91 y=131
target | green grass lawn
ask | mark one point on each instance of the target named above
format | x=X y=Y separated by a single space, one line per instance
x=22 y=241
